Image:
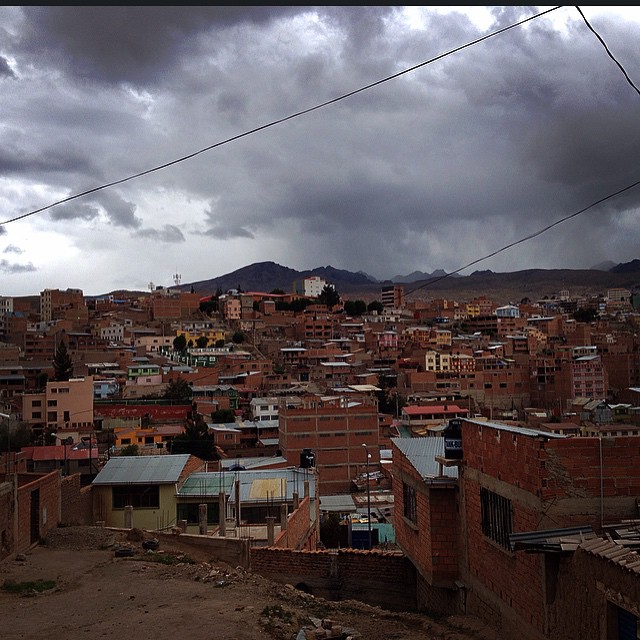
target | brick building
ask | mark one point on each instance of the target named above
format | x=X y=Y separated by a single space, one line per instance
x=511 y=480
x=335 y=428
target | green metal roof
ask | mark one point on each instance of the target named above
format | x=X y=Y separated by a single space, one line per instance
x=206 y=484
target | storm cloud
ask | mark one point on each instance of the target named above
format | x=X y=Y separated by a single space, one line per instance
x=430 y=170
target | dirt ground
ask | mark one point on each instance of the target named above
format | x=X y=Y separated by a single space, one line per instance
x=79 y=585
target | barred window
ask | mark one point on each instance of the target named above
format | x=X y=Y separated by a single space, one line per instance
x=496 y=517
x=410 y=509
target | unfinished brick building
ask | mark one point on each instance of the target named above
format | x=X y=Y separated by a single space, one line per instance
x=457 y=531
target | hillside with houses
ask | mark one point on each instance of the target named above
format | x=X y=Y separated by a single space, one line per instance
x=485 y=455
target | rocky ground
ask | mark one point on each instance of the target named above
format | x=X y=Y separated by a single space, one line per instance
x=87 y=582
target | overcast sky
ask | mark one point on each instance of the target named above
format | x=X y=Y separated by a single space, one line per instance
x=431 y=170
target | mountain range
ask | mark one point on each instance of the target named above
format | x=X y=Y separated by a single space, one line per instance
x=502 y=287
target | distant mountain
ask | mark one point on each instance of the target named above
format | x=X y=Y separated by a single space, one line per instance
x=415 y=276
x=503 y=288
x=607 y=265
x=627 y=267
x=267 y=276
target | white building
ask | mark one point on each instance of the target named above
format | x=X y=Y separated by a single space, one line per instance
x=313 y=286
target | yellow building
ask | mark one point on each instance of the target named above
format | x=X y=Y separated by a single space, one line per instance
x=140 y=491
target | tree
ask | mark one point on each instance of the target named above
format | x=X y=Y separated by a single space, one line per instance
x=355 y=307
x=41 y=380
x=130 y=450
x=202 y=342
x=297 y=305
x=196 y=439
x=180 y=343
x=376 y=306
x=62 y=363
x=222 y=416
x=19 y=436
x=329 y=296
x=238 y=337
x=585 y=315
x=178 y=389
x=219 y=343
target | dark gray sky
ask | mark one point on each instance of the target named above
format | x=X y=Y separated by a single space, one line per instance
x=431 y=170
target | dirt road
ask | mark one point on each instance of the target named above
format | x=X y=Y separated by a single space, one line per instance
x=76 y=587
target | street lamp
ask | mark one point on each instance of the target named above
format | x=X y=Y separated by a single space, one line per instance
x=366 y=448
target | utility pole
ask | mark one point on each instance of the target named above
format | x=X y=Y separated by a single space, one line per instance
x=366 y=448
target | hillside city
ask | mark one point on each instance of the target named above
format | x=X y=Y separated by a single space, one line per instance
x=485 y=458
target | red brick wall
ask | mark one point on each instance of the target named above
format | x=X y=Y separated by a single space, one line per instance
x=157 y=413
x=75 y=502
x=580 y=468
x=6 y=519
x=513 y=466
x=379 y=578
x=49 y=511
x=551 y=484
x=587 y=585
x=336 y=436
x=504 y=584
x=300 y=532
x=432 y=542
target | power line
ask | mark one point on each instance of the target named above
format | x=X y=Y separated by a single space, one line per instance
x=573 y=215
x=606 y=48
x=277 y=122
x=529 y=237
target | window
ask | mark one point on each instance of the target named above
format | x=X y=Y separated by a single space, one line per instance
x=622 y=625
x=52 y=403
x=141 y=496
x=36 y=403
x=36 y=415
x=496 y=517
x=409 y=509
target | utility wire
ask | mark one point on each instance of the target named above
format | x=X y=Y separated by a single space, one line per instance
x=279 y=121
x=573 y=215
x=529 y=237
x=606 y=48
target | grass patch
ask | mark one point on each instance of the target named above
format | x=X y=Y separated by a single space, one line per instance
x=37 y=586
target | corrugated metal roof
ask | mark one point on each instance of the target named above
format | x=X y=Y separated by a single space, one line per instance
x=206 y=484
x=252 y=463
x=519 y=430
x=142 y=470
x=292 y=480
x=551 y=539
x=340 y=503
x=422 y=452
